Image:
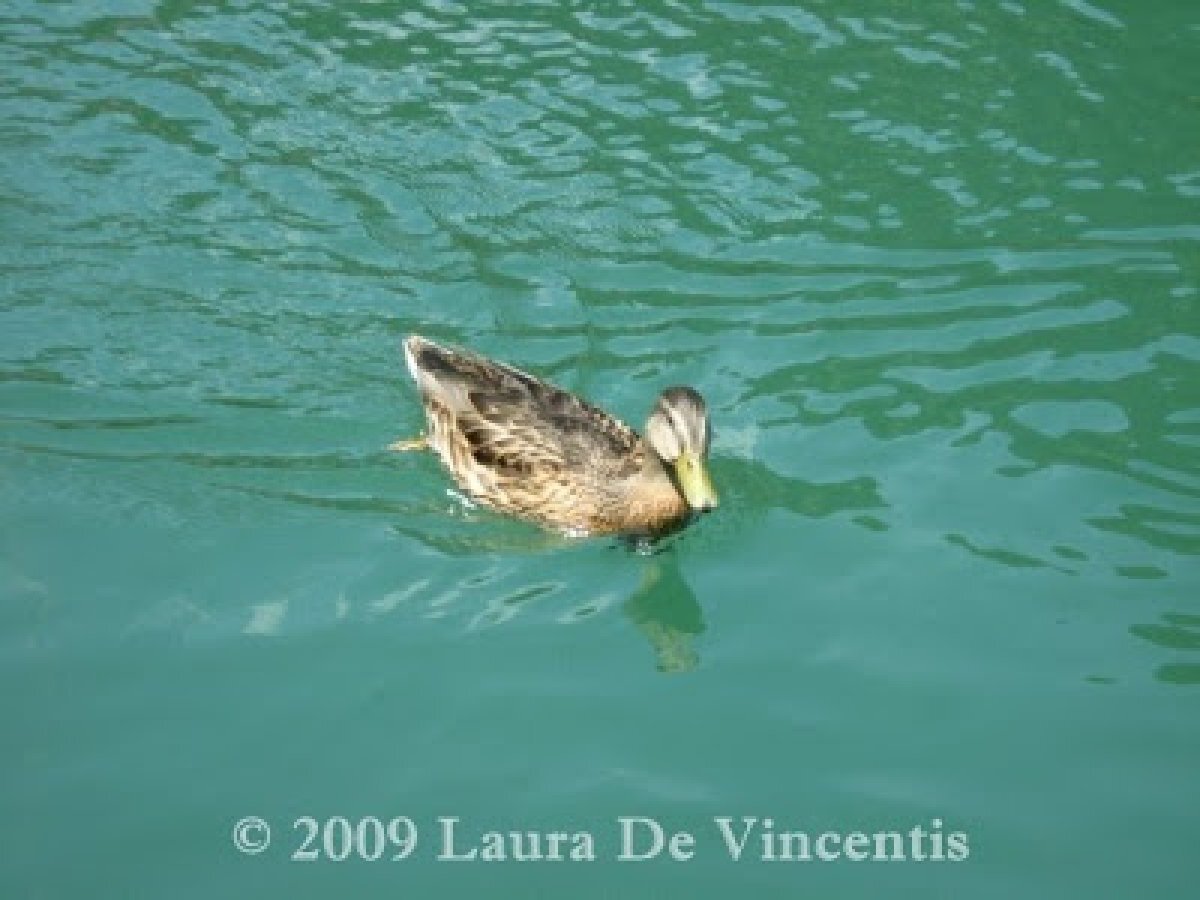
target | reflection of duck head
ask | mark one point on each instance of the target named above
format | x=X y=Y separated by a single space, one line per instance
x=665 y=610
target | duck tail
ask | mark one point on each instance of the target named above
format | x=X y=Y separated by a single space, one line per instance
x=441 y=373
x=427 y=361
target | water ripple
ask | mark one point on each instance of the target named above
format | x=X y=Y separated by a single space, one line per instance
x=933 y=266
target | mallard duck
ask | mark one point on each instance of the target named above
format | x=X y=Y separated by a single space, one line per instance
x=527 y=448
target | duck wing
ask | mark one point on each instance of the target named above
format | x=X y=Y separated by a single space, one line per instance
x=515 y=424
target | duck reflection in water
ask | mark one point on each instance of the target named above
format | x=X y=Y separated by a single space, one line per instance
x=665 y=610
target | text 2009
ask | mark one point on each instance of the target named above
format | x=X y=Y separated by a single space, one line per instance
x=370 y=838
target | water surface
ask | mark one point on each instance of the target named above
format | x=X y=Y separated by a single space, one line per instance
x=935 y=270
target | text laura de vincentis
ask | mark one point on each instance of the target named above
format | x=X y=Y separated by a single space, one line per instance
x=642 y=838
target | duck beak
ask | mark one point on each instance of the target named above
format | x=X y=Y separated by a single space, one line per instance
x=693 y=479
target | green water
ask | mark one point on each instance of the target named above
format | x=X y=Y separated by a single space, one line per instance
x=935 y=268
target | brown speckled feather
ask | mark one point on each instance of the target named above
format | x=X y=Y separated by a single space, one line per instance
x=528 y=448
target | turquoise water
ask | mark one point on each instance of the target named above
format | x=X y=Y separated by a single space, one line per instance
x=935 y=269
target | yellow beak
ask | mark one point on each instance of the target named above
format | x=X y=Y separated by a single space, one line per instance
x=693 y=479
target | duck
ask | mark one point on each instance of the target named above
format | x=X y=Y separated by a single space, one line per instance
x=532 y=450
